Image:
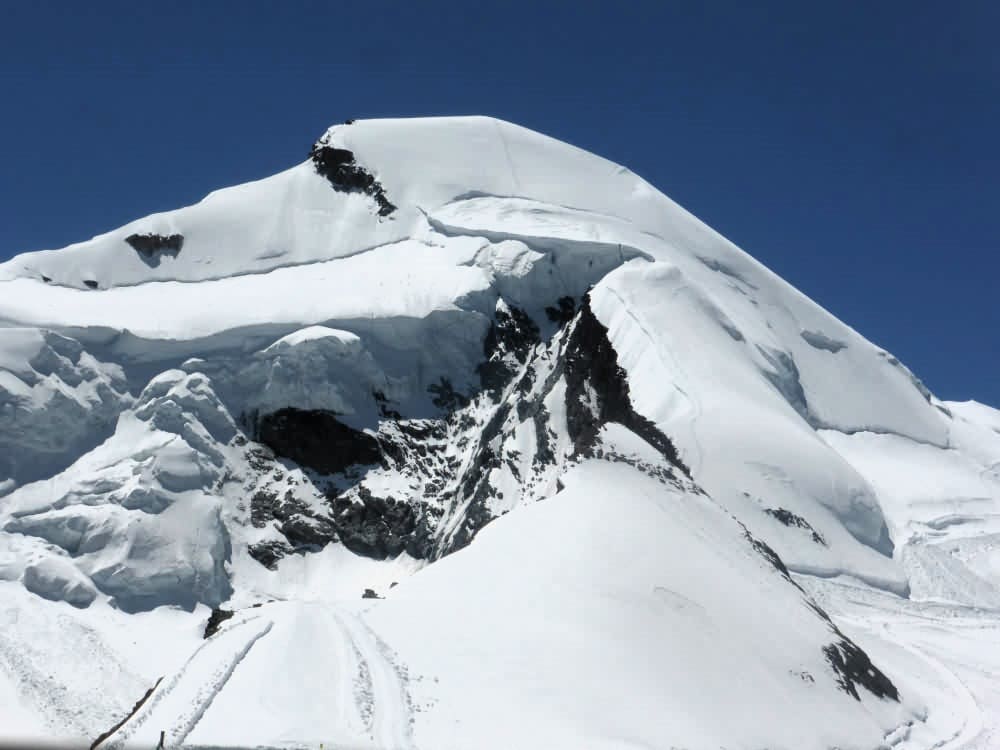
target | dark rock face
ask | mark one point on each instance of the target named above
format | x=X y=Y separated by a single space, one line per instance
x=303 y=528
x=316 y=439
x=263 y=507
x=384 y=408
x=508 y=342
x=341 y=170
x=852 y=665
x=597 y=390
x=269 y=553
x=149 y=245
x=849 y=662
x=765 y=551
x=308 y=531
x=853 y=668
x=790 y=519
x=215 y=621
x=378 y=527
x=563 y=311
x=445 y=397
x=518 y=373
x=90 y=283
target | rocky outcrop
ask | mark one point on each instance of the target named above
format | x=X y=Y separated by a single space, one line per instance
x=149 y=245
x=269 y=553
x=452 y=472
x=342 y=171
x=378 y=527
x=508 y=342
x=853 y=668
x=215 y=621
x=787 y=518
x=316 y=439
x=597 y=390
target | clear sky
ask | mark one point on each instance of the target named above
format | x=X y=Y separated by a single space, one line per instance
x=852 y=147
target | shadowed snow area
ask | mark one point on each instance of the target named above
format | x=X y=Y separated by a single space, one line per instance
x=460 y=436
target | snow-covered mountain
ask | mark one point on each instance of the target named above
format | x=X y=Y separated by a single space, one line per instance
x=456 y=436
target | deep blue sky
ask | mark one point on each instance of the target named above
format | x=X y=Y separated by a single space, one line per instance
x=852 y=147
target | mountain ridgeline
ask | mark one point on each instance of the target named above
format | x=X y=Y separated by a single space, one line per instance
x=452 y=423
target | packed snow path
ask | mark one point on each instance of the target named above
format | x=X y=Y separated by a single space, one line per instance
x=360 y=699
x=951 y=651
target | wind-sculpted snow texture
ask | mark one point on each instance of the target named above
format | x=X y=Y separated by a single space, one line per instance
x=453 y=423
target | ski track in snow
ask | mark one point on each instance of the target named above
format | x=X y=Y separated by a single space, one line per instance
x=927 y=631
x=973 y=726
x=371 y=682
x=208 y=686
x=208 y=692
x=384 y=701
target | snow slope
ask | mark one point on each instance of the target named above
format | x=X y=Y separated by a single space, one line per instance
x=586 y=435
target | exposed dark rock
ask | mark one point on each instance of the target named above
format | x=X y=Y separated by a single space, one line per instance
x=656 y=471
x=303 y=530
x=411 y=443
x=508 y=342
x=770 y=555
x=853 y=668
x=851 y=664
x=316 y=439
x=440 y=482
x=377 y=527
x=384 y=409
x=543 y=436
x=370 y=594
x=476 y=516
x=215 y=621
x=563 y=311
x=90 y=283
x=790 y=519
x=46 y=279
x=259 y=457
x=268 y=553
x=445 y=397
x=765 y=551
x=263 y=504
x=300 y=525
x=149 y=245
x=339 y=167
x=597 y=390
x=475 y=484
